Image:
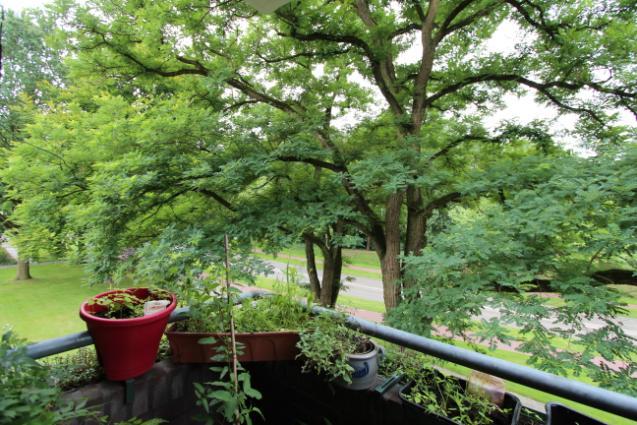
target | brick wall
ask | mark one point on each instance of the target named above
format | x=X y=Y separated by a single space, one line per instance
x=166 y=391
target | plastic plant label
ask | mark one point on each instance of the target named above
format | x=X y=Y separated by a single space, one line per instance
x=266 y=6
x=487 y=386
x=151 y=307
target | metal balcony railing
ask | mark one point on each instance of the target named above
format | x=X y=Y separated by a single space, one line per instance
x=609 y=401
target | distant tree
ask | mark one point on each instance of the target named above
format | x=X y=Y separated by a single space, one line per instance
x=28 y=67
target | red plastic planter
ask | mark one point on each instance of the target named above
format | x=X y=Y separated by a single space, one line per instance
x=257 y=347
x=127 y=348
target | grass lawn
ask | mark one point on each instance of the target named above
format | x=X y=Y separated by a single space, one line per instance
x=47 y=306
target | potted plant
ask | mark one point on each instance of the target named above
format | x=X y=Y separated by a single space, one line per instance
x=126 y=337
x=266 y=328
x=338 y=353
x=430 y=397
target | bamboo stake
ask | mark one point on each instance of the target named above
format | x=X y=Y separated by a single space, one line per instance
x=235 y=376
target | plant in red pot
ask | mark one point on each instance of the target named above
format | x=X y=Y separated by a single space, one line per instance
x=127 y=326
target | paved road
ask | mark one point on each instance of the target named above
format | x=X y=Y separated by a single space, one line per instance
x=372 y=289
x=359 y=287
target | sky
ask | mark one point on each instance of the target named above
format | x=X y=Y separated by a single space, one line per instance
x=522 y=109
x=18 y=5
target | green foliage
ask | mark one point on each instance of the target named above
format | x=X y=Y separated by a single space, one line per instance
x=125 y=304
x=325 y=345
x=74 y=369
x=27 y=398
x=223 y=398
x=560 y=219
x=229 y=396
x=444 y=396
x=277 y=312
x=437 y=393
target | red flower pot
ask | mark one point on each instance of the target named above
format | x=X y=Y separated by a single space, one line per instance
x=127 y=348
x=256 y=347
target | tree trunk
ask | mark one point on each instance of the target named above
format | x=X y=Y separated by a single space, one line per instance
x=24 y=270
x=327 y=288
x=331 y=280
x=416 y=223
x=315 y=285
x=389 y=262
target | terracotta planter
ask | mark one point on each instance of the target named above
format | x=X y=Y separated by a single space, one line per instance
x=126 y=348
x=257 y=347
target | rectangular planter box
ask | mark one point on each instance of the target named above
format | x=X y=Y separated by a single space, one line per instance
x=255 y=347
x=417 y=415
x=558 y=414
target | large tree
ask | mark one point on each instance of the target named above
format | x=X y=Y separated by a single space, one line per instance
x=572 y=57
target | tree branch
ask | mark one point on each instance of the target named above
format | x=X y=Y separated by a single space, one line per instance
x=441 y=202
x=382 y=72
x=420 y=84
x=459 y=141
x=543 y=88
x=447 y=29
x=542 y=25
x=216 y=197
x=313 y=161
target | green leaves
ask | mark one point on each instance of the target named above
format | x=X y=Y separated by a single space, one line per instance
x=27 y=396
x=233 y=404
x=564 y=218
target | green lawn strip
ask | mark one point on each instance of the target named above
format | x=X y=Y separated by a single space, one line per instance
x=47 y=306
x=348 y=271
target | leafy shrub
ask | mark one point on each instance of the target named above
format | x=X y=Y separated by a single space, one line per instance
x=325 y=344
x=75 y=369
x=27 y=396
x=444 y=396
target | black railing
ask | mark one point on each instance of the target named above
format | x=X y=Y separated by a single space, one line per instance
x=609 y=401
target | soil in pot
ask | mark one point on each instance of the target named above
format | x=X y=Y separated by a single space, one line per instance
x=438 y=399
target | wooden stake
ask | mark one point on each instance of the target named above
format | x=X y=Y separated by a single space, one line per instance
x=233 y=348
